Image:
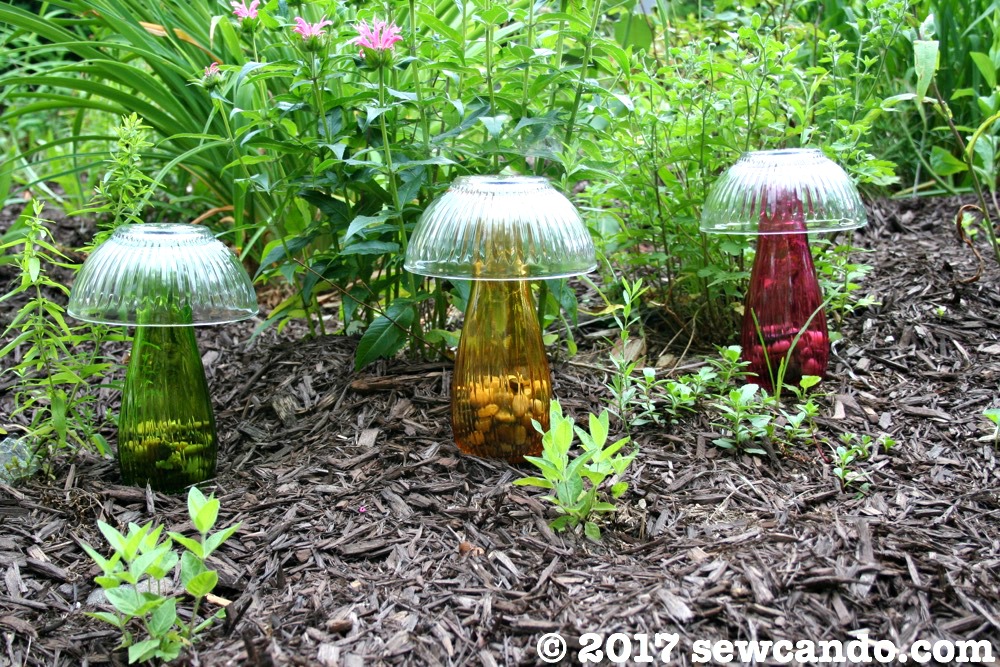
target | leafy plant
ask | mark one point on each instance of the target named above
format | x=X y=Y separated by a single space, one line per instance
x=576 y=483
x=137 y=577
x=840 y=279
x=56 y=363
x=847 y=454
x=754 y=420
x=977 y=143
x=316 y=161
x=745 y=418
x=124 y=191
x=631 y=397
x=993 y=414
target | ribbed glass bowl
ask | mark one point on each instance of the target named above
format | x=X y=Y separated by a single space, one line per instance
x=162 y=274
x=753 y=195
x=500 y=228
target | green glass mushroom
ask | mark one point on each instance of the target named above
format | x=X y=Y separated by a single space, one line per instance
x=500 y=232
x=164 y=279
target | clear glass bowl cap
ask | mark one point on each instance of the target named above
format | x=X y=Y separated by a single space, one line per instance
x=500 y=228
x=780 y=192
x=162 y=275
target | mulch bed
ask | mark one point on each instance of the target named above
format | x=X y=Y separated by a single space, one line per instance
x=367 y=538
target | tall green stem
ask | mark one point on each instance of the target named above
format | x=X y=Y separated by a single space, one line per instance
x=489 y=86
x=583 y=72
x=527 y=64
x=387 y=154
x=417 y=88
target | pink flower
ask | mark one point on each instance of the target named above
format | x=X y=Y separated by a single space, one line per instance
x=379 y=36
x=308 y=30
x=212 y=76
x=242 y=11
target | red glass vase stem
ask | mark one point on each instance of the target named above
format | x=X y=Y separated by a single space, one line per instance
x=784 y=303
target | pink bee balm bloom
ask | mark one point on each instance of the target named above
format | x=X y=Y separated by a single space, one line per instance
x=212 y=70
x=379 y=36
x=242 y=11
x=308 y=30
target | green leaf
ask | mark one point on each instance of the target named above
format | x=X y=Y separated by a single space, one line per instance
x=191 y=567
x=163 y=618
x=808 y=381
x=386 y=335
x=371 y=248
x=618 y=489
x=277 y=250
x=551 y=470
x=135 y=540
x=195 y=501
x=495 y=15
x=142 y=651
x=436 y=336
x=164 y=566
x=944 y=163
x=599 y=429
x=202 y=584
x=494 y=124
x=592 y=532
x=34 y=268
x=125 y=599
x=105 y=616
x=533 y=481
x=112 y=582
x=142 y=563
x=193 y=546
x=925 y=62
x=107 y=566
x=215 y=541
x=562 y=523
x=986 y=67
x=205 y=519
x=169 y=650
x=361 y=222
x=114 y=538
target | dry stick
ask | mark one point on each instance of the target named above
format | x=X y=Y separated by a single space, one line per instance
x=378 y=310
x=209 y=213
x=967 y=153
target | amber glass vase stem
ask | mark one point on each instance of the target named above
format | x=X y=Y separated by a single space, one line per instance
x=501 y=381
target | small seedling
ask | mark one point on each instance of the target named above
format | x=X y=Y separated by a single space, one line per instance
x=993 y=414
x=845 y=458
x=141 y=568
x=577 y=483
x=745 y=419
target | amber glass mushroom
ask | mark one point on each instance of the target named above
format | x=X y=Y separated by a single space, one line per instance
x=164 y=279
x=500 y=232
x=782 y=196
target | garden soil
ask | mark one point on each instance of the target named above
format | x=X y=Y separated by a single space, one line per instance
x=366 y=538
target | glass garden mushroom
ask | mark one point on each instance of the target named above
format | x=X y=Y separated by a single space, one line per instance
x=500 y=232
x=781 y=196
x=164 y=279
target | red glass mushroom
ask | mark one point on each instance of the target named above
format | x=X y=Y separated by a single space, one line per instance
x=781 y=196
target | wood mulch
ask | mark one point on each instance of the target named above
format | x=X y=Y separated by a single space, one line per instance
x=366 y=538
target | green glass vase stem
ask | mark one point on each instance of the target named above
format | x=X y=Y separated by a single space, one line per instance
x=166 y=432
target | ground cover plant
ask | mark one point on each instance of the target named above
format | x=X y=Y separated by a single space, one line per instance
x=676 y=495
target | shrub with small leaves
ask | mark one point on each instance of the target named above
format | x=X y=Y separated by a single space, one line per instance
x=577 y=483
x=137 y=575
